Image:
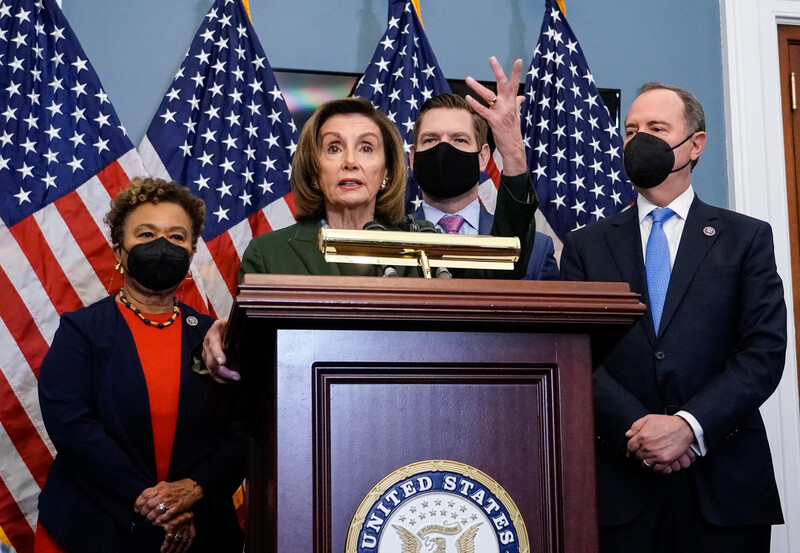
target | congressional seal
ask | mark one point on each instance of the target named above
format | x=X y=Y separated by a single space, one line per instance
x=437 y=506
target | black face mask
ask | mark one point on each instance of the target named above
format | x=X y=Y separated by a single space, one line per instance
x=649 y=160
x=444 y=171
x=158 y=264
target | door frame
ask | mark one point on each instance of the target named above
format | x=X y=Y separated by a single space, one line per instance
x=757 y=187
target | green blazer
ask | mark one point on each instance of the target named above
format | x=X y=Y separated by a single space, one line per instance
x=294 y=250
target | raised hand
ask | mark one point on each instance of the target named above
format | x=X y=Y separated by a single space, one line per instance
x=503 y=115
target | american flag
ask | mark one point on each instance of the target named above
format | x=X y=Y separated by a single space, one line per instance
x=574 y=148
x=63 y=155
x=223 y=130
x=402 y=75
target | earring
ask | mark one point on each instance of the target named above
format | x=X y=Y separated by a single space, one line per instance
x=314 y=185
x=384 y=183
x=119 y=268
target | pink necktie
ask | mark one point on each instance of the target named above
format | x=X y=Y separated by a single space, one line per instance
x=451 y=223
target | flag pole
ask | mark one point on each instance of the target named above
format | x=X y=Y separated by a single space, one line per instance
x=573 y=145
x=415 y=3
x=402 y=75
x=240 y=177
x=3 y=538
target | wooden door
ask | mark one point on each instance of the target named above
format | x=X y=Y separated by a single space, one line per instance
x=789 y=50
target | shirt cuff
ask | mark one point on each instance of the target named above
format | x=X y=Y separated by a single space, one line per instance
x=699 y=444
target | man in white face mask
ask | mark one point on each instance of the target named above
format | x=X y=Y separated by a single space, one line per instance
x=683 y=463
x=451 y=150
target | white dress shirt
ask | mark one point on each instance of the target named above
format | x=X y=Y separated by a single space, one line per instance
x=673 y=228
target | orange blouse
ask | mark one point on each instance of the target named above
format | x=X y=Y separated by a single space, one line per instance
x=159 y=351
x=160 y=354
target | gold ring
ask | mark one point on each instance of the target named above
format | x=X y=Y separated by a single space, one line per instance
x=646 y=464
x=169 y=537
x=492 y=101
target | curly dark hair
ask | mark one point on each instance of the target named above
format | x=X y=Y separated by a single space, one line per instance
x=151 y=190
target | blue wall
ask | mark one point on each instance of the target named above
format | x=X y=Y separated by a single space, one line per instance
x=137 y=46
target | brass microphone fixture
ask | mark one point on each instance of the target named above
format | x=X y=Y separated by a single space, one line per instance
x=422 y=249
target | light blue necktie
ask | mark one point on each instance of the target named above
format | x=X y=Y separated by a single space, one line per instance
x=656 y=263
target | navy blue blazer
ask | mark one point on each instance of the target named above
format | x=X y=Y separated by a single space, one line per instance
x=542 y=265
x=719 y=356
x=95 y=406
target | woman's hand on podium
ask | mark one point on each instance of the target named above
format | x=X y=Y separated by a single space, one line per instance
x=213 y=355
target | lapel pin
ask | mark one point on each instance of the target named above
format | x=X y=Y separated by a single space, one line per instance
x=709 y=231
x=191 y=320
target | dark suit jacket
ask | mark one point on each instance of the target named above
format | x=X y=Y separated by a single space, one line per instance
x=542 y=265
x=95 y=406
x=719 y=356
x=294 y=249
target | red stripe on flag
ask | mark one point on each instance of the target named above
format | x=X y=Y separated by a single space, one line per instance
x=223 y=253
x=19 y=532
x=44 y=264
x=211 y=312
x=258 y=223
x=188 y=293
x=289 y=199
x=20 y=324
x=493 y=172
x=89 y=237
x=113 y=178
x=22 y=433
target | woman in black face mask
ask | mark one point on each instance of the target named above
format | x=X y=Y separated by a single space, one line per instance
x=137 y=469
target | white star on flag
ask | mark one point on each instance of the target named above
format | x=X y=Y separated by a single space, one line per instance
x=223 y=114
x=402 y=60
x=63 y=156
x=577 y=142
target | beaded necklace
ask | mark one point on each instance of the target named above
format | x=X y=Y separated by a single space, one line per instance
x=175 y=311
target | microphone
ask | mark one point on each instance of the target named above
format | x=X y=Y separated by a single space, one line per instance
x=388 y=270
x=443 y=272
x=409 y=224
x=373 y=225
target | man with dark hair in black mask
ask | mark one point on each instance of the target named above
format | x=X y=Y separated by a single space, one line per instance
x=451 y=149
x=683 y=462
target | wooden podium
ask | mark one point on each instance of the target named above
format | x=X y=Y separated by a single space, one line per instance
x=356 y=377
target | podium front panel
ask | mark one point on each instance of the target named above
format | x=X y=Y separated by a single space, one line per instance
x=352 y=406
x=356 y=380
